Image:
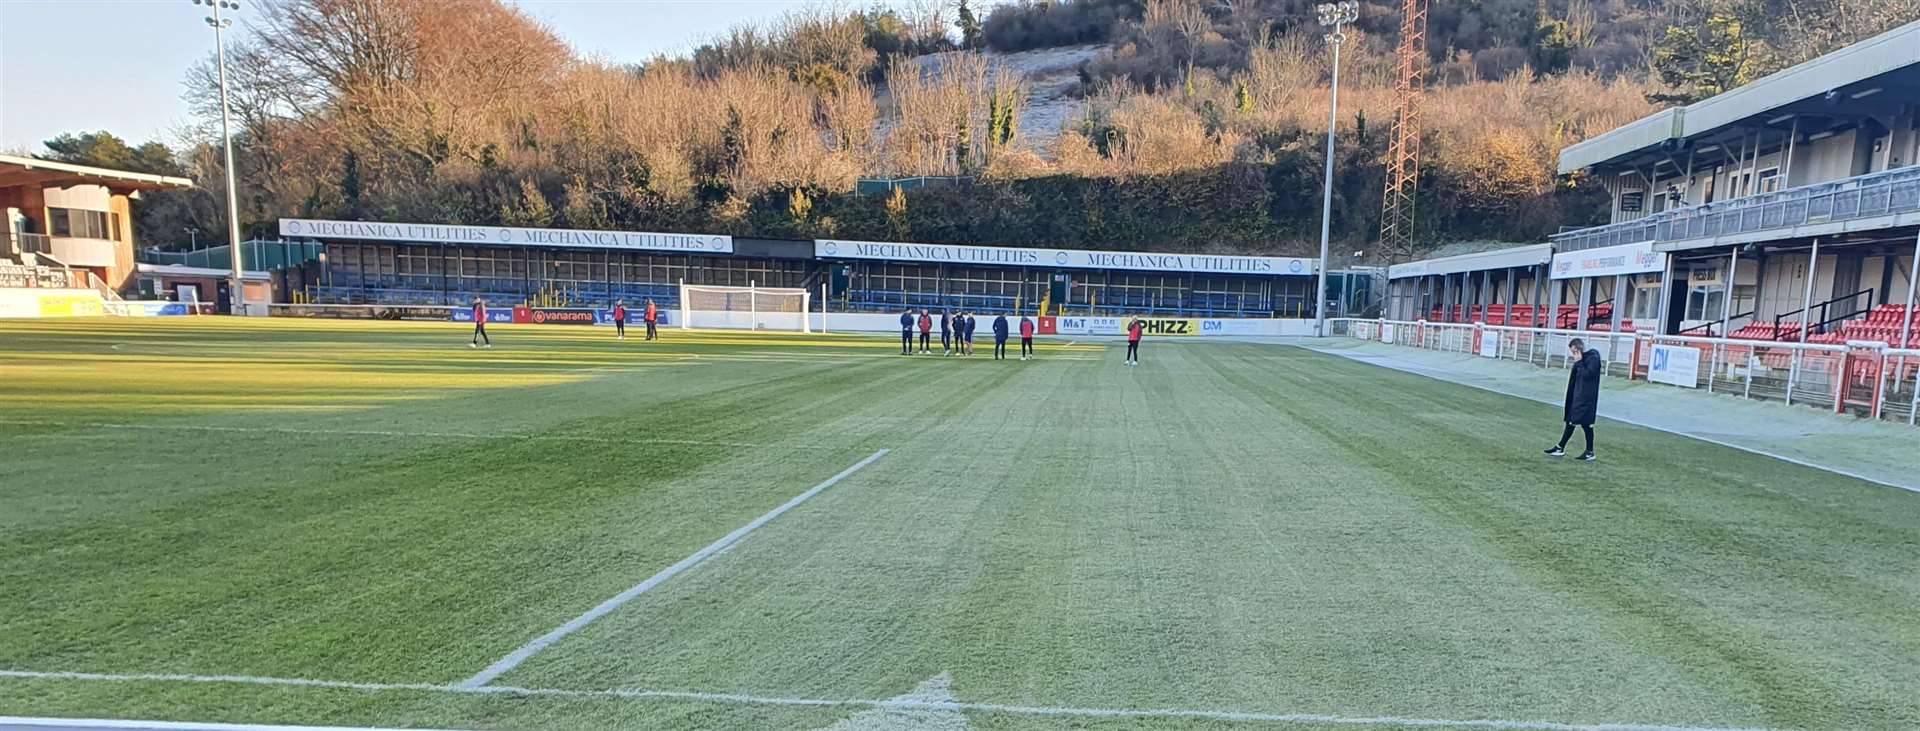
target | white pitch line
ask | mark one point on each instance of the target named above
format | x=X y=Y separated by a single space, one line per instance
x=10 y=723
x=513 y=659
x=903 y=704
x=374 y=433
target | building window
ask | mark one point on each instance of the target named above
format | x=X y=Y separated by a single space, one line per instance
x=116 y=226
x=1770 y=180
x=80 y=224
x=1709 y=302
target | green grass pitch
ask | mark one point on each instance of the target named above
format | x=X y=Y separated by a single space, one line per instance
x=1227 y=529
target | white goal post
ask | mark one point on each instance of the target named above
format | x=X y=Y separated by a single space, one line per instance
x=744 y=308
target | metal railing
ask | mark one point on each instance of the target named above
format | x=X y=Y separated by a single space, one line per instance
x=1861 y=196
x=18 y=244
x=1858 y=304
x=100 y=285
x=1866 y=378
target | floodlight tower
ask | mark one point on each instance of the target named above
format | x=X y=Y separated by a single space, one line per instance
x=236 y=289
x=1335 y=16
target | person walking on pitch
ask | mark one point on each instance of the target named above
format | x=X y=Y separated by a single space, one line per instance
x=1026 y=337
x=1000 y=337
x=620 y=318
x=926 y=328
x=652 y=316
x=906 y=333
x=1583 y=398
x=1135 y=329
x=480 y=324
x=946 y=326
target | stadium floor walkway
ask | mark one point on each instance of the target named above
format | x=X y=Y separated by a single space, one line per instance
x=1882 y=452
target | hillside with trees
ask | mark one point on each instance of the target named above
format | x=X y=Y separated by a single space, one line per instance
x=1198 y=127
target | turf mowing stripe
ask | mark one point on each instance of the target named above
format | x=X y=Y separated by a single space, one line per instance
x=15 y=723
x=372 y=433
x=896 y=704
x=513 y=659
x=1444 y=377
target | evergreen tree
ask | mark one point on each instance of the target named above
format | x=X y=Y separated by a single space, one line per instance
x=350 y=199
x=1704 y=60
x=969 y=28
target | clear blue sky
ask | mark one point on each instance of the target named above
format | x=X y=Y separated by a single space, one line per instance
x=83 y=65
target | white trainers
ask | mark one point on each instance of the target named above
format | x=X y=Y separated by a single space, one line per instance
x=473 y=345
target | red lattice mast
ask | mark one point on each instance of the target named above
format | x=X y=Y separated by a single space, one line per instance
x=1403 y=150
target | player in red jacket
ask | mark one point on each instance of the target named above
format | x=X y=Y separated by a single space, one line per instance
x=653 y=320
x=1026 y=338
x=620 y=318
x=1135 y=329
x=926 y=330
x=480 y=324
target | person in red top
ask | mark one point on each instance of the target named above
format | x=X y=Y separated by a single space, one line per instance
x=479 y=324
x=926 y=330
x=1134 y=330
x=620 y=318
x=653 y=319
x=1026 y=338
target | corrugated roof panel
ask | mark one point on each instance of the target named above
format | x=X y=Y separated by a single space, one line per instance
x=1884 y=53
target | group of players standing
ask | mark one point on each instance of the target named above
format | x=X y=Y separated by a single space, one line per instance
x=956 y=334
x=651 y=316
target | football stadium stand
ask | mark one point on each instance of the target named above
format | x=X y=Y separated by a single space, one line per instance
x=386 y=263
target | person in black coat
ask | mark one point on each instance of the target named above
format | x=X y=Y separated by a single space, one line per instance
x=1000 y=337
x=1583 y=398
x=906 y=333
x=946 y=324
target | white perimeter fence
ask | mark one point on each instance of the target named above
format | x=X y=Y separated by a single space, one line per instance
x=1869 y=379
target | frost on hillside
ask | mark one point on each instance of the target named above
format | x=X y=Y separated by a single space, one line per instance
x=1051 y=77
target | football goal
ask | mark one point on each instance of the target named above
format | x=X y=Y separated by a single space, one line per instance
x=744 y=308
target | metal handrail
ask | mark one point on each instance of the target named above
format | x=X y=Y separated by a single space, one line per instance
x=1824 y=320
x=1860 y=196
x=29 y=243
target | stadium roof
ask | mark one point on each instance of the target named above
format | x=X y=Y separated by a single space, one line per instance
x=1872 y=76
x=16 y=170
x=1517 y=256
x=182 y=270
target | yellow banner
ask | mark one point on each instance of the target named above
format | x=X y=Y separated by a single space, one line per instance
x=55 y=305
x=1164 y=327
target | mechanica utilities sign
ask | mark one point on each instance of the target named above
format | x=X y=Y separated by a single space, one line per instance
x=1062 y=258
x=504 y=236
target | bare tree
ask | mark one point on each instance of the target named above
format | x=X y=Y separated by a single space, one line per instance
x=1184 y=19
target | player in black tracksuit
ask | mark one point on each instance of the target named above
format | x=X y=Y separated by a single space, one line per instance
x=946 y=336
x=906 y=333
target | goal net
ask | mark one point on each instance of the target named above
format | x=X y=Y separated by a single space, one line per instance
x=744 y=308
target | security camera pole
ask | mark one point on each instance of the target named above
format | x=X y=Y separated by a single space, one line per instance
x=236 y=290
x=1335 y=15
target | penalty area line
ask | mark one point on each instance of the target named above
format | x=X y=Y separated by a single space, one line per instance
x=513 y=659
x=899 y=704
